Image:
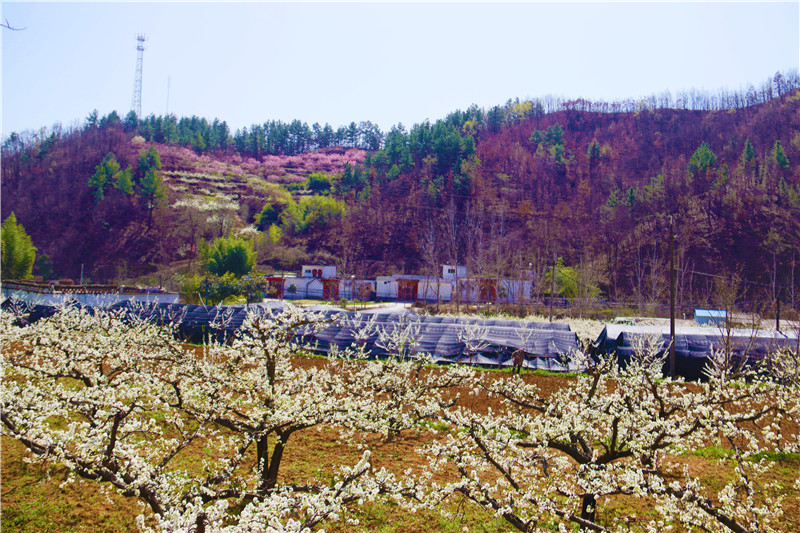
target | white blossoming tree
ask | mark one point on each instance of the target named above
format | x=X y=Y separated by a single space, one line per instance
x=117 y=400
x=552 y=460
x=199 y=433
x=403 y=389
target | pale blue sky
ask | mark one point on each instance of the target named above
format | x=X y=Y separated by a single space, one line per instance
x=388 y=63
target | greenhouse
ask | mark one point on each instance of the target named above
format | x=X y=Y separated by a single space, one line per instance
x=693 y=345
x=484 y=342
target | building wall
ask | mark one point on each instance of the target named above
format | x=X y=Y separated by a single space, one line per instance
x=356 y=289
x=514 y=290
x=453 y=272
x=386 y=288
x=305 y=288
x=430 y=289
x=433 y=290
x=318 y=271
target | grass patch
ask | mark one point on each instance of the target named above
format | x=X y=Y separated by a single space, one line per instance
x=776 y=456
x=436 y=425
x=713 y=452
x=35 y=502
x=552 y=374
x=717 y=452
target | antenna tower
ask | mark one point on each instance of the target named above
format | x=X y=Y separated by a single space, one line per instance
x=136 y=105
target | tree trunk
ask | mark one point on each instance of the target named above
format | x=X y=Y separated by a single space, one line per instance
x=262 y=456
x=270 y=466
x=588 y=508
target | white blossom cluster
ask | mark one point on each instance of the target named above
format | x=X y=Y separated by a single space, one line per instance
x=553 y=459
x=118 y=400
x=404 y=389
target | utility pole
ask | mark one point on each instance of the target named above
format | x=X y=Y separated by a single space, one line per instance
x=671 y=298
x=552 y=287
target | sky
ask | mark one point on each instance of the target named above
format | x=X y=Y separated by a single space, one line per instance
x=385 y=62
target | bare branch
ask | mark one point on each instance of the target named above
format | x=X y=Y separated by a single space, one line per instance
x=6 y=24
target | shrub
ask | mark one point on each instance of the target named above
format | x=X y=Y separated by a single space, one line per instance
x=229 y=254
x=319 y=182
x=18 y=251
x=311 y=212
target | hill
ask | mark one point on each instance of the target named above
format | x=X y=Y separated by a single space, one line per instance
x=506 y=191
x=46 y=180
x=598 y=189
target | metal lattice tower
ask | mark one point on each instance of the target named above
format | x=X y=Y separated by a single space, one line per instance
x=136 y=104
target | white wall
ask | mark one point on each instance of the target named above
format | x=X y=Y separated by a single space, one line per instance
x=453 y=272
x=386 y=287
x=328 y=272
x=514 y=290
x=435 y=290
x=306 y=288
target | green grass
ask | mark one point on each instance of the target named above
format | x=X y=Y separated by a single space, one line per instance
x=34 y=501
x=717 y=452
x=777 y=456
x=388 y=517
x=536 y=372
x=713 y=452
x=435 y=425
x=551 y=374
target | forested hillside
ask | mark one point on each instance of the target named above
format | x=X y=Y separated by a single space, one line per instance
x=506 y=191
x=597 y=189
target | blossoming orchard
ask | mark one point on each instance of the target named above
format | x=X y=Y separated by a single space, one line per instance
x=199 y=433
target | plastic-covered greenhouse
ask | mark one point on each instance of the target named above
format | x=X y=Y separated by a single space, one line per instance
x=693 y=346
x=486 y=342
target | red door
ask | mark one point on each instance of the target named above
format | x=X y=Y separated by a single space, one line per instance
x=407 y=290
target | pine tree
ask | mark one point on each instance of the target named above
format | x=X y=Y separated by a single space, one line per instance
x=780 y=158
x=748 y=153
x=149 y=185
x=103 y=176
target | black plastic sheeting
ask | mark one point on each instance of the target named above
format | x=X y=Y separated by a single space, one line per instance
x=491 y=341
x=693 y=346
x=30 y=313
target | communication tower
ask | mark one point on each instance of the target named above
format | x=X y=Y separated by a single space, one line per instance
x=136 y=105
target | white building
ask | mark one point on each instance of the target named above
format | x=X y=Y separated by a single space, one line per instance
x=410 y=287
x=453 y=272
x=318 y=271
x=320 y=282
